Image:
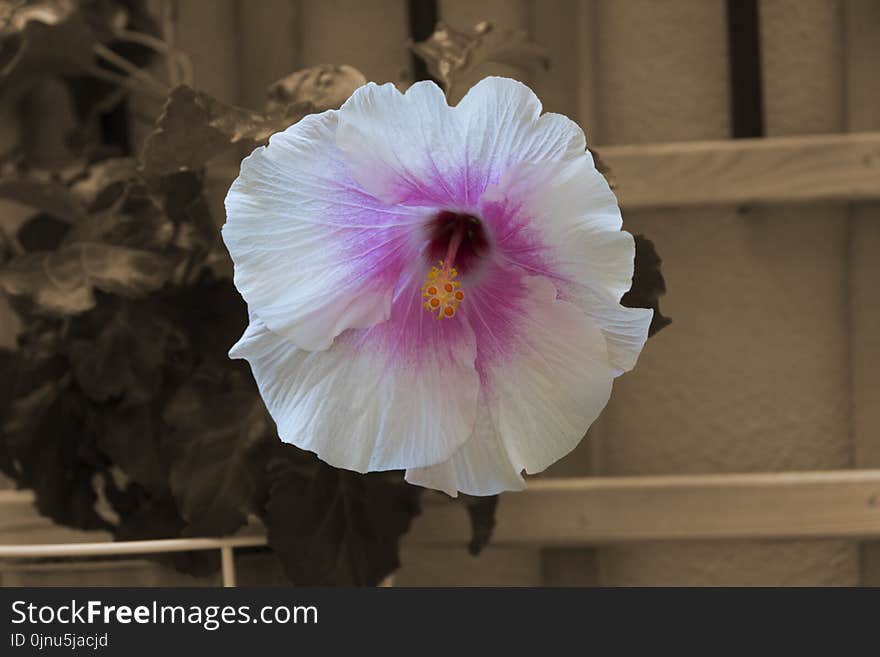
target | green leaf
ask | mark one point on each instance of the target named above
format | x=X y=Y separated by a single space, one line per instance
x=62 y=282
x=648 y=284
x=453 y=56
x=335 y=527
x=219 y=432
x=195 y=127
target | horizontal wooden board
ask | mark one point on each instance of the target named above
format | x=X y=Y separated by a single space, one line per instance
x=595 y=510
x=741 y=171
x=587 y=511
x=745 y=171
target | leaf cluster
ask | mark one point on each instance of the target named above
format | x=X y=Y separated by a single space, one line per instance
x=119 y=406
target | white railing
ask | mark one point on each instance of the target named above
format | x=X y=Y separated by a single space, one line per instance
x=225 y=545
x=558 y=512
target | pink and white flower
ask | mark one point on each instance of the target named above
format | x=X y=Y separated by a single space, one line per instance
x=433 y=288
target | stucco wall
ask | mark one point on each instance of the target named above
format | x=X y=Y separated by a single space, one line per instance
x=753 y=374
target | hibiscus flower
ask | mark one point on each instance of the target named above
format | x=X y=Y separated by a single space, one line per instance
x=433 y=288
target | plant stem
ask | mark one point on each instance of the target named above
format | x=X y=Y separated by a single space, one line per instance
x=169 y=34
x=133 y=71
x=11 y=244
x=127 y=82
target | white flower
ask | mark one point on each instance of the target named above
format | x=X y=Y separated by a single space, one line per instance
x=433 y=288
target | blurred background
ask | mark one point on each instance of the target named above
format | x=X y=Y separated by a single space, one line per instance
x=769 y=248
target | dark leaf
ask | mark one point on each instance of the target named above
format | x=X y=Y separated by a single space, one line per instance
x=453 y=56
x=104 y=182
x=218 y=431
x=601 y=166
x=10 y=362
x=49 y=196
x=62 y=282
x=182 y=198
x=42 y=232
x=335 y=527
x=648 y=284
x=481 y=511
x=129 y=436
x=117 y=351
x=211 y=314
x=52 y=453
x=138 y=225
x=53 y=281
x=324 y=87
x=195 y=127
x=146 y=516
x=108 y=17
x=48 y=37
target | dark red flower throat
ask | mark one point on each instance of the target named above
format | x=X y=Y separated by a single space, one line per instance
x=457 y=234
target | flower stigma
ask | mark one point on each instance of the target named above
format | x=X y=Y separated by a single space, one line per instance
x=441 y=291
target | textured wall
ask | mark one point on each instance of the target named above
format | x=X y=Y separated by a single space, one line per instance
x=370 y=35
x=753 y=374
x=862 y=21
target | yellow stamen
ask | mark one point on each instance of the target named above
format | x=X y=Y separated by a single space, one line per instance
x=441 y=292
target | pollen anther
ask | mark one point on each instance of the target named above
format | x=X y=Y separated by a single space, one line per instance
x=441 y=292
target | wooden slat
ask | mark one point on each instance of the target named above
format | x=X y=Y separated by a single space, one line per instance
x=771 y=170
x=682 y=507
x=726 y=172
x=595 y=510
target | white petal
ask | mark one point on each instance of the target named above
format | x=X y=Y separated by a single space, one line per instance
x=365 y=406
x=574 y=219
x=502 y=125
x=402 y=147
x=313 y=253
x=625 y=329
x=480 y=467
x=413 y=148
x=552 y=384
